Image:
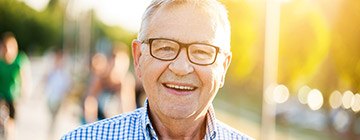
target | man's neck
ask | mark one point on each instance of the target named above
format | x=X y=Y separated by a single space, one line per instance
x=189 y=128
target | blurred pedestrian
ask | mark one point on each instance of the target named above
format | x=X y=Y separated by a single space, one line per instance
x=112 y=87
x=57 y=85
x=14 y=77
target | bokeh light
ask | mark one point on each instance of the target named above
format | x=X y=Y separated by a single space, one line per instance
x=269 y=94
x=335 y=99
x=355 y=103
x=280 y=94
x=315 y=99
x=346 y=99
x=303 y=94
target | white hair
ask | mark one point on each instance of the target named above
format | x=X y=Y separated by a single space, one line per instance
x=214 y=8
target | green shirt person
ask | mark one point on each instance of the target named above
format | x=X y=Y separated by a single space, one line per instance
x=14 y=72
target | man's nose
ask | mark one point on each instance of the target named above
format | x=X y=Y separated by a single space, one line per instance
x=181 y=65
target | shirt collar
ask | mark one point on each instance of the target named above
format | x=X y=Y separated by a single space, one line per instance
x=210 y=124
x=147 y=127
x=150 y=131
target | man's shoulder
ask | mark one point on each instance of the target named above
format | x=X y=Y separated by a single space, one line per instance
x=225 y=131
x=21 y=58
x=116 y=127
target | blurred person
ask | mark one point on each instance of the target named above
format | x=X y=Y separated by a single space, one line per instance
x=112 y=87
x=57 y=86
x=14 y=78
x=181 y=55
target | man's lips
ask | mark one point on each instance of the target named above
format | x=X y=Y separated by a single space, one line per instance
x=179 y=87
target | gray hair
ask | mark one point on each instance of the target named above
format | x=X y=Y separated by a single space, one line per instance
x=213 y=7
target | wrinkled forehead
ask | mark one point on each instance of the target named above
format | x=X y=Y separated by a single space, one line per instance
x=187 y=23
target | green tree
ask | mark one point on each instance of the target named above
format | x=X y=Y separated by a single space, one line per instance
x=35 y=31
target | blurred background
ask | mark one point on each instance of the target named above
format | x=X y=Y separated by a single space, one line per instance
x=314 y=93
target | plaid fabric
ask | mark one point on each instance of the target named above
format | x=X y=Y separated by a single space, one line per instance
x=136 y=126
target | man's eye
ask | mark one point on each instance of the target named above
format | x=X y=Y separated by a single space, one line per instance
x=201 y=55
x=167 y=48
x=200 y=52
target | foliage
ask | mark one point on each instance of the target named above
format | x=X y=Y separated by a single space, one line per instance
x=38 y=31
x=318 y=44
x=304 y=43
x=34 y=30
x=114 y=33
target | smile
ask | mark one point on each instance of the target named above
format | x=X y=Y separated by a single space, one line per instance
x=180 y=87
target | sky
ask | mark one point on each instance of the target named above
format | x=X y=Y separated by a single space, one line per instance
x=124 y=13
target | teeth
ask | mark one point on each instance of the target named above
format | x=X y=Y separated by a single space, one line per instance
x=180 y=87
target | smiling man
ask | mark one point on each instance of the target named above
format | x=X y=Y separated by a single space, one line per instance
x=181 y=56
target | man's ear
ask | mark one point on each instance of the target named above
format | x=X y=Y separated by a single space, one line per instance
x=136 y=53
x=225 y=65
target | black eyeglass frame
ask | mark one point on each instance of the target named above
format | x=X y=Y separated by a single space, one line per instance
x=182 y=45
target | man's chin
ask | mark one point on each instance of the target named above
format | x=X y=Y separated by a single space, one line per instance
x=179 y=114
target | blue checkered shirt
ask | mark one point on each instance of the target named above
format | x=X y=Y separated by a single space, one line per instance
x=136 y=125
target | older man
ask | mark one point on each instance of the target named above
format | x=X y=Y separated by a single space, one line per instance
x=181 y=56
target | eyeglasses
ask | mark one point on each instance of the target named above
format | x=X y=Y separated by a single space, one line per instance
x=197 y=53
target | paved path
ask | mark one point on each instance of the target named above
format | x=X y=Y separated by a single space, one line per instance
x=33 y=120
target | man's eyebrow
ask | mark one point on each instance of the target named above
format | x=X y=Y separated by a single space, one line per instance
x=201 y=42
x=205 y=42
x=186 y=42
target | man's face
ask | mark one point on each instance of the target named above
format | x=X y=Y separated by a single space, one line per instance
x=10 y=50
x=180 y=89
